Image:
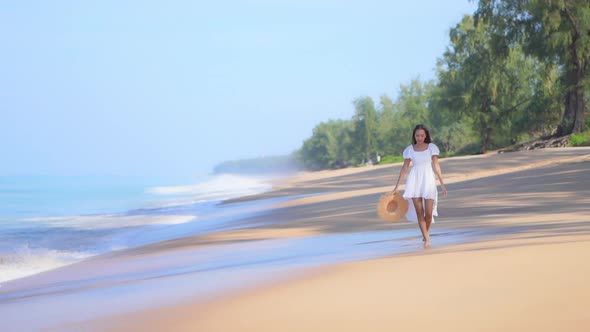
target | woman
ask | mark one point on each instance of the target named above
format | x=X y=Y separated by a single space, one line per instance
x=421 y=191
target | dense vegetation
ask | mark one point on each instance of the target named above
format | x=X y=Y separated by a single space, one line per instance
x=513 y=71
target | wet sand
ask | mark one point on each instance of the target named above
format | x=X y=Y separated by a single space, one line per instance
x=505 y=285
x=507 y=253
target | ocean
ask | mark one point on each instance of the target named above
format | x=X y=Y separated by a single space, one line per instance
x=50 y=221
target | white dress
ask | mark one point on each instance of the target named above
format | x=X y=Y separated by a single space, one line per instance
x=421 y=181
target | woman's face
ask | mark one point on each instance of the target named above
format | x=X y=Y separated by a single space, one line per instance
x=420 y=136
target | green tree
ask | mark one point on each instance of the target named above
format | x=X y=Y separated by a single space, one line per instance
x=365 y=127
x=413 y=102
x=490 y=88
x=557 y=29
x=314 y=153
x=410 y=109
x=386 y=126
x=397 y=119
x=328 y=147
x=450 y=130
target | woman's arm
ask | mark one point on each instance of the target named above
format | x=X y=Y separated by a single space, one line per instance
x=439 y=174
x=403 y=172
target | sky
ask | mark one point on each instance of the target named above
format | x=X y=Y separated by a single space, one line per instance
x=178 y=86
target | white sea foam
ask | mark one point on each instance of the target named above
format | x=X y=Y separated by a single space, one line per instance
x=119 y=221
x=218 y=187
x=41 y=219
x=26 y=261
x=112 y=221
x=63 y=240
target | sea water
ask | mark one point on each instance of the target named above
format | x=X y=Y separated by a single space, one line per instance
x=51 y=221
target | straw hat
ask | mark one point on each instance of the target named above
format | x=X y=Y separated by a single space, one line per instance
x=392 y=206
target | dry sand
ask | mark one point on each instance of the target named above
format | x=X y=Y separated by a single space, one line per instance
x=530 y=274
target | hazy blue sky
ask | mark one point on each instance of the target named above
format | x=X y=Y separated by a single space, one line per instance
x=157 y=87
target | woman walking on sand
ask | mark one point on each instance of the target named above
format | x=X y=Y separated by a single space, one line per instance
x=421 y=192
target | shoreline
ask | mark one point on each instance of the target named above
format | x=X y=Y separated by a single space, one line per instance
x=507 y=286
x=40 y=244
x=502 y=211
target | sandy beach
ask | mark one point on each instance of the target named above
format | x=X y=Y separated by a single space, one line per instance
x=509 y=252
x=512 y=285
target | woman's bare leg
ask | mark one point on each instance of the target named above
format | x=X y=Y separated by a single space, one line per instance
x=428 y=208
x=421 y=221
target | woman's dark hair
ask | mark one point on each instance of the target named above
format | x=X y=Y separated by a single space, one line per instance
x=423 y=127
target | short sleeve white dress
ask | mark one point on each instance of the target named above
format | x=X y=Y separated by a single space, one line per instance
x=421 y=181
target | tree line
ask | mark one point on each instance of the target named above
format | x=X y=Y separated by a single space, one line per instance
x=513 y=71
x=267 y=165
